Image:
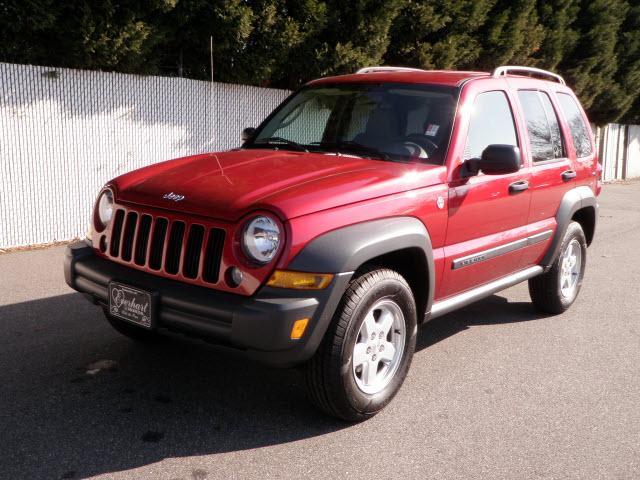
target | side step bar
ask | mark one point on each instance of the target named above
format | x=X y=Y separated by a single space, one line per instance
x=450 y=304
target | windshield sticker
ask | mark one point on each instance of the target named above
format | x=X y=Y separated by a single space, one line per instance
x=432 y=130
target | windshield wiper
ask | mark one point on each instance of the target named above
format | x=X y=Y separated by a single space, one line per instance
x=357 y=148
x=281 y=141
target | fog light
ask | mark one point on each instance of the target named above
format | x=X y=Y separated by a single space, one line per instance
x=300 y=280
x=234 y=277
x=298 y=329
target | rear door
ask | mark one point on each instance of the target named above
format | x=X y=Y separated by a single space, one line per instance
x=551 y=173
x=487 y=215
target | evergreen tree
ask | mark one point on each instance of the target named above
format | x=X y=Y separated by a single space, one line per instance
x=438 y=34
x=511 y=35
x=560 y=37
x=591 y=67
x=595 y=44
x=618 y=102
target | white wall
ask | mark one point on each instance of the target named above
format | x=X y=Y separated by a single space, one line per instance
x=64 y=133
x=619 y=151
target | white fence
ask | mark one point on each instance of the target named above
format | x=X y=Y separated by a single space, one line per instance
x=64 y=133
x=619 y=151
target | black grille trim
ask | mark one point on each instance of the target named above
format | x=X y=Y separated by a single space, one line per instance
x=142 y=243
x=193 y=251
x=174 y=248
x=116 y=233
x=129 y=235
x=157 y=243
x=213 y=255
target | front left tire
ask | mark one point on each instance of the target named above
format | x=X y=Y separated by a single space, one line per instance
x=367 y=350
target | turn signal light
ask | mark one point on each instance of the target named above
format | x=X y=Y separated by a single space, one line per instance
x=298 y=329
x=300 y=280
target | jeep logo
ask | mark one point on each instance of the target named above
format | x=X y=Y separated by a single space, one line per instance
x=173 y=196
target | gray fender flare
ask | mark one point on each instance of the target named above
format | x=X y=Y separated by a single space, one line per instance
x=572 y=201
x=347 y=248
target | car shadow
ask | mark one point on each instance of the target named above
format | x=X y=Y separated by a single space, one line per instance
x=493 y=310
x=79 y=400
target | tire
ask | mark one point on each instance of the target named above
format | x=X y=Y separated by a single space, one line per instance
x=336 y=383
x=138 y=334
x=555 y=290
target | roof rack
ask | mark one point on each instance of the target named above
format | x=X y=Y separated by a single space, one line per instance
x=506 y=69
x=388 y=69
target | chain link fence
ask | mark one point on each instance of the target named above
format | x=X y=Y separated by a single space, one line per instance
x=64 y=133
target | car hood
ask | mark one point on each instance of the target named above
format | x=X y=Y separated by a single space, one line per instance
x=228 y=185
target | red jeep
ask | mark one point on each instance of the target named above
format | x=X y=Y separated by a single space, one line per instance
x=364 y=205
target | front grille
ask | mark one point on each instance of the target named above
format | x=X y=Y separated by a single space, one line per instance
x=174 y=247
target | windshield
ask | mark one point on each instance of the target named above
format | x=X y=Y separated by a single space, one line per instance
x=391 y=121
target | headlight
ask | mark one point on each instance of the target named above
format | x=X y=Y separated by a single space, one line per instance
x=261 y=239
x=104 y=210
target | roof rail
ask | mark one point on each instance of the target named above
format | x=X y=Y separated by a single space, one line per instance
x=506 y=69
x=388 y=69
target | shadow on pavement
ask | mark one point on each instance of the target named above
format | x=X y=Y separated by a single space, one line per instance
x=492 y=310
x=62 y=415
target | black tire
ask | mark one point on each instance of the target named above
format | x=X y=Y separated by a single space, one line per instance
x=138 y=334
x=545 y=290
x=329 y=376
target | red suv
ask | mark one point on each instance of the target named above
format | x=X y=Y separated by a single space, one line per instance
x=363 y=206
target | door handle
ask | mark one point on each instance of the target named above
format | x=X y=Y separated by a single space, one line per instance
x=568 y=175
x=519 y=186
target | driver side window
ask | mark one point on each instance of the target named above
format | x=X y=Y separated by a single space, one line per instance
x=306 y=123
x=491 y=123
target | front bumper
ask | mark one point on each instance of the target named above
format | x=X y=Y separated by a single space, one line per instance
x=259 y=325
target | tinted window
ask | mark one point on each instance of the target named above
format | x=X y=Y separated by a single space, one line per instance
x=542 y=125
x=389 y=121
x=579 y=132
x=491 y=123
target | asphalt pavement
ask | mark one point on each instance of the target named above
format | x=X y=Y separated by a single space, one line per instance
x=496 y=390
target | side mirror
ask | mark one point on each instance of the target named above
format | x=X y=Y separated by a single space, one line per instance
x=247 y=133
x=496 y=160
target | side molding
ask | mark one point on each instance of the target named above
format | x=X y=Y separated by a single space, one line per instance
x=345 y=249
x=574 y=200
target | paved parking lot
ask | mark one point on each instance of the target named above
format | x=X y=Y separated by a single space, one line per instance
x=495 y=390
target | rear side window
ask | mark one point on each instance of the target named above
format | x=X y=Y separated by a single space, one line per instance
x=542 y=124
x=491 y=123
x=579 y=132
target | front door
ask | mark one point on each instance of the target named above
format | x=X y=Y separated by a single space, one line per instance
x=487 y=213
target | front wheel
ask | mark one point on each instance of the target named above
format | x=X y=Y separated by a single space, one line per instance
x=367 y=350
x=555 y=290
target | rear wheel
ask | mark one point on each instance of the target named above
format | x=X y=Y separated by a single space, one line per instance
x=555 y=290
x=367 y=350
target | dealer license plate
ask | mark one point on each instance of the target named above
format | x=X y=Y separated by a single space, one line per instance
x=131 y=304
